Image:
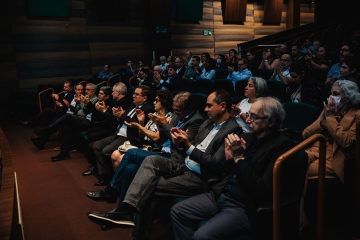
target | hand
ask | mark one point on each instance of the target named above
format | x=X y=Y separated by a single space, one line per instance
x=234 y=147
x=58 y=104
x=330 y=81
x=100 y=106
x=159 y=119
x=330 y=108
x=55 y=96
x=117 y=112
x=132 y=124
x=85 y=99
x=77 y=98
x=180 y=138
x=66 y=102
x=235 y=110
x=140 y=115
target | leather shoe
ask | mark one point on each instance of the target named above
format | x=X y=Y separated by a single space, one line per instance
x=102 y=182
x=120 y=219
x=60 y=156
x=39 y=142
x=103 y=195
x=107 y=227
x=90 y=171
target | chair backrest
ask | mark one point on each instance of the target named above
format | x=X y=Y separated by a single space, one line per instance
x=221 y=73
x=186 y=84
x=240 y=89
x=277 y=89
x=299 y=115
x=203 y=86
x=224 y=84
x=262 y=72
x=319 y=74
x=200 y=102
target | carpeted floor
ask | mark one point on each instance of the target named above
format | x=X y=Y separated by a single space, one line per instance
x=52 y=194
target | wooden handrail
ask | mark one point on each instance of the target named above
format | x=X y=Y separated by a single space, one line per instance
x=357 y=186
x=115 y=75
x=321 y=184
x=39 y=96
x=102 y=83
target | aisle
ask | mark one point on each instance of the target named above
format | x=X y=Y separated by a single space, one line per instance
x=52 y=194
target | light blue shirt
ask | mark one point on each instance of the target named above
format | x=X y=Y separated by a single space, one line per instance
x=239 y=75
x=334 y=71
x=191 y=164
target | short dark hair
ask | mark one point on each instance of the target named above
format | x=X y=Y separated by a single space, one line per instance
x=223 y=96
x=145 y=90
x=197 y=58
x=166 y=98
x=173 y=66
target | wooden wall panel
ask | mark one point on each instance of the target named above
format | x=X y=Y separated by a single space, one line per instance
x=8 y=71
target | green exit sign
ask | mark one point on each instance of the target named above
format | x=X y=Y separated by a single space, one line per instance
x=208 y=33
x=161 y=29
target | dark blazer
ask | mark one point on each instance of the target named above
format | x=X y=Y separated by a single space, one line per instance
x=181 y=71
x=133 y=133
x=212 y=160
x=171 y=85
x=192 y=125
x=69 y=97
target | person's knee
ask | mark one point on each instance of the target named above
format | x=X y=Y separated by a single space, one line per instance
x=130 y=171
x=115 y=156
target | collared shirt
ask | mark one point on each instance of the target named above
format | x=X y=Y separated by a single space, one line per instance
x=239 y=75
x=191 y=164
x=122 y=128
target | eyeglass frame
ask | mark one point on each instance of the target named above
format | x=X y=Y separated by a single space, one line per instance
x=253 y=119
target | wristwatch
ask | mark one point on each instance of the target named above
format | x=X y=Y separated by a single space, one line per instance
x=266 y=60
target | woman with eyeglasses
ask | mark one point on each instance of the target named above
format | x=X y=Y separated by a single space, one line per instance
x=337 y=122
x=149 y=131
x=256 y=87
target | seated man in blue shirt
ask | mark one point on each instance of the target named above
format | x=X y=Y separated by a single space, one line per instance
x=239 y=72
x=106 y=73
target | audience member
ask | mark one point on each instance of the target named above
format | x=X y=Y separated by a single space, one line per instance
x=185 y=118
x=283 y=49
x=320 y=61
x=131 y=67
x=296 y=55
x=70 y=124
x=180 y=67
x=256 y=87
x=207 y=71
x=348 y=49
x=252 y=155
x=221 y=62
x=204 y=57
x=233 y=56
x=163 y=63
x=106 y=73
x=307 y=47
x=302 y=88
x=350 y=70
x=281 y=72
x=170 y=60
x=190 y=72
x=188 y=56
x=171 y=82
x=105 y=147
x=149 y=132
x=202 y=169
x=242 y=73
x=316 y=45
x=119 y=91
x=253 y=62
x=270 y=60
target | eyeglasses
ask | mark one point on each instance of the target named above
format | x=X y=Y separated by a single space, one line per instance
x=89 y=89
x=344 y=50
x=177 y=110
x=284 y=60
x=137 y=94
x=156 y=100
x=253 y=117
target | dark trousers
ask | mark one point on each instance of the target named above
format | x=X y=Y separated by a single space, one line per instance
x=226 y=218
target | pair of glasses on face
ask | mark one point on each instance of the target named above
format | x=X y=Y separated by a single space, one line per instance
x=176 y=110
x=156 y=100
x=253 y=117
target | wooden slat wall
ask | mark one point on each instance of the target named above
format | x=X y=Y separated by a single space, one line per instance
x=226 y=36
x=51 y=50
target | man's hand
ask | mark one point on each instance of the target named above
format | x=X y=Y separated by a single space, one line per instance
x=159 y=119
x=100 y=106
x=55 y=96
x=234 y=147
x=66 y=102
x=132 y=124
x=118 y=112
x=58 y=104
x=180 y=138
x=140 y=115
x=157 y=77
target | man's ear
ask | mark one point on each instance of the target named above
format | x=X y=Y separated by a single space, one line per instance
x=272 y=122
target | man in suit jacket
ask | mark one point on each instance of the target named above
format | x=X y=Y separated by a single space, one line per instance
x=105 y=147
x=200 y=170
x=171 y=82
x=186 y=118
x=180 y=67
